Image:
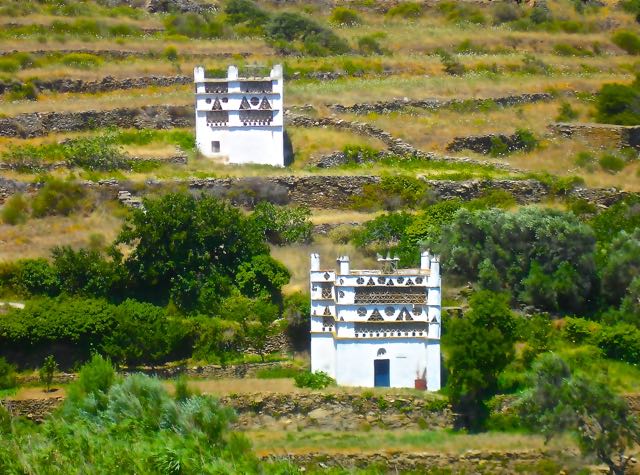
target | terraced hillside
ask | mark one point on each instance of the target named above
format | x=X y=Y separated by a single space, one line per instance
x=504 y=135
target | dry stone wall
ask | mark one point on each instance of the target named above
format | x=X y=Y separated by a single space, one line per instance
x=38 y=124
x=471 y=461
x=603 y=136
x=434 y=104
x=108 y=83
x=484 y=143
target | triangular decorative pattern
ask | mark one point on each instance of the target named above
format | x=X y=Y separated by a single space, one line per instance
x=375 y=316
x=409 y=282
x=371 y=282
x=216 y=105
x=244 y=105
x=264 y=105
x=405 y=315
x=327 y=311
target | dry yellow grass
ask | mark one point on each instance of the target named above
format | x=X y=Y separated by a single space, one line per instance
x=37 y=237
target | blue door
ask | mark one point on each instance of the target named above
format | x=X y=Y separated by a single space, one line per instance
x=381 y=373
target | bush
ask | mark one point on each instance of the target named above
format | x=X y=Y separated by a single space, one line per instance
x=20 y=92
x=458 y=12
x=505 y=12
x=82 y=60
x=369 y=44
x=7 y=374
x=406 y=10
x=98 y=153
x=450 y=64
x=585 y=160
x=628 y=41
x=566 y=113
x=527 y=141
x=317 y=380
x=58 y=197
x=283 y=225
x=611 y=163
x=618 y=104
x=621 y=342
x=499 y=148
x=170 y=53
x=287 y=28
x=579 y=330
x=194 y=25
x=36 y=277
x=15 y=210
x=9 y=65
x=344 y=16
x=393 y=192
x=245 y=11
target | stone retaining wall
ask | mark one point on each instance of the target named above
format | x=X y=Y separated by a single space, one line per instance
x=471 y=461
x=604 y=136
x=108 y=83
x=324 y=411
x=484 y=143
x=38 y=124
x=434 y=104
x=335 y=192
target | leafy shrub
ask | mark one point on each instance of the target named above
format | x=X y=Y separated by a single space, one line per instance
x=170 y=53
x=383 y=231
x=9 y=65
x=585 y=160
x=458 y=12
x=579 y=330
x=194 y=25
x=96 y=153
x=81 y=60
x=565 y=49
x=566 y=113
x=406 y=10
x=527 y=140
x=36 y=277
x=58 y=197
x=283 y=225
x=611 y=163
x=7 y=374
x=628 y=41
x=499 y=148
x=26 y=91
x=505 y=12
x=316 y=40
x=344 y=16
x=47 y=371
x=245 y=11
x=359 y=153
x=317 y=380
x=618 y=104
x=393 y=192
x=370 y=44
x=620 y=342
x=15 y=210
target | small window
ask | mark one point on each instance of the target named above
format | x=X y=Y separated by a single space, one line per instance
x=215 y=146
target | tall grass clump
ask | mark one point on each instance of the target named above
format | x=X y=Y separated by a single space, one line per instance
x=15 y=210
x=628 y=41
x=344 y=16
x=58 y=197
x=82 y=60
x=406 y=10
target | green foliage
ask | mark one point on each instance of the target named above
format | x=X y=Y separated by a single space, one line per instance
x=383 y=231
x=628 y=41
x=15 y=210
x=58 y=197
x=611 y=163
x=36 y=277
x=283 y=225
x=370 y=44
x=622 y=216
x=47 y=371
x=277 y=372
x=457 y=12
x=630 y=6
x=96 y=153
x=316 y=380
x=450 y=64
x=24 y=91
x=7 y=375
x=618 y=104
x=344 y=16
x=82 y=60
x=217 y=339
x=579 y=330
x=359 y=153
x=85 y=272
x=585 y=160
x=620 y=342
x=262 y=277
x=499 y=148
x=130 y=426
x=526 y=140
x=245 y=11
x=194 y=25
x=622 y=265
x=187 y=248
x=292 y=30
x=599 y=419
x=479 y=346
x=505 y=13
x=529 y=247
x=170 y=53
x=393 y=192
x=407 y=10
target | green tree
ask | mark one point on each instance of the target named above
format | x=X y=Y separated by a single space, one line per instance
x=7 y=374
x=182 y=242
x=283 y=225
x=47 y=371
x=87 y=272
x=600 y=420
x=618 y=104
x=479 y=347
x=262 y=277
x=622 y=265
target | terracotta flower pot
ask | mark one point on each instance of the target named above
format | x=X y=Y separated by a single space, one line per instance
x=421 y=384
